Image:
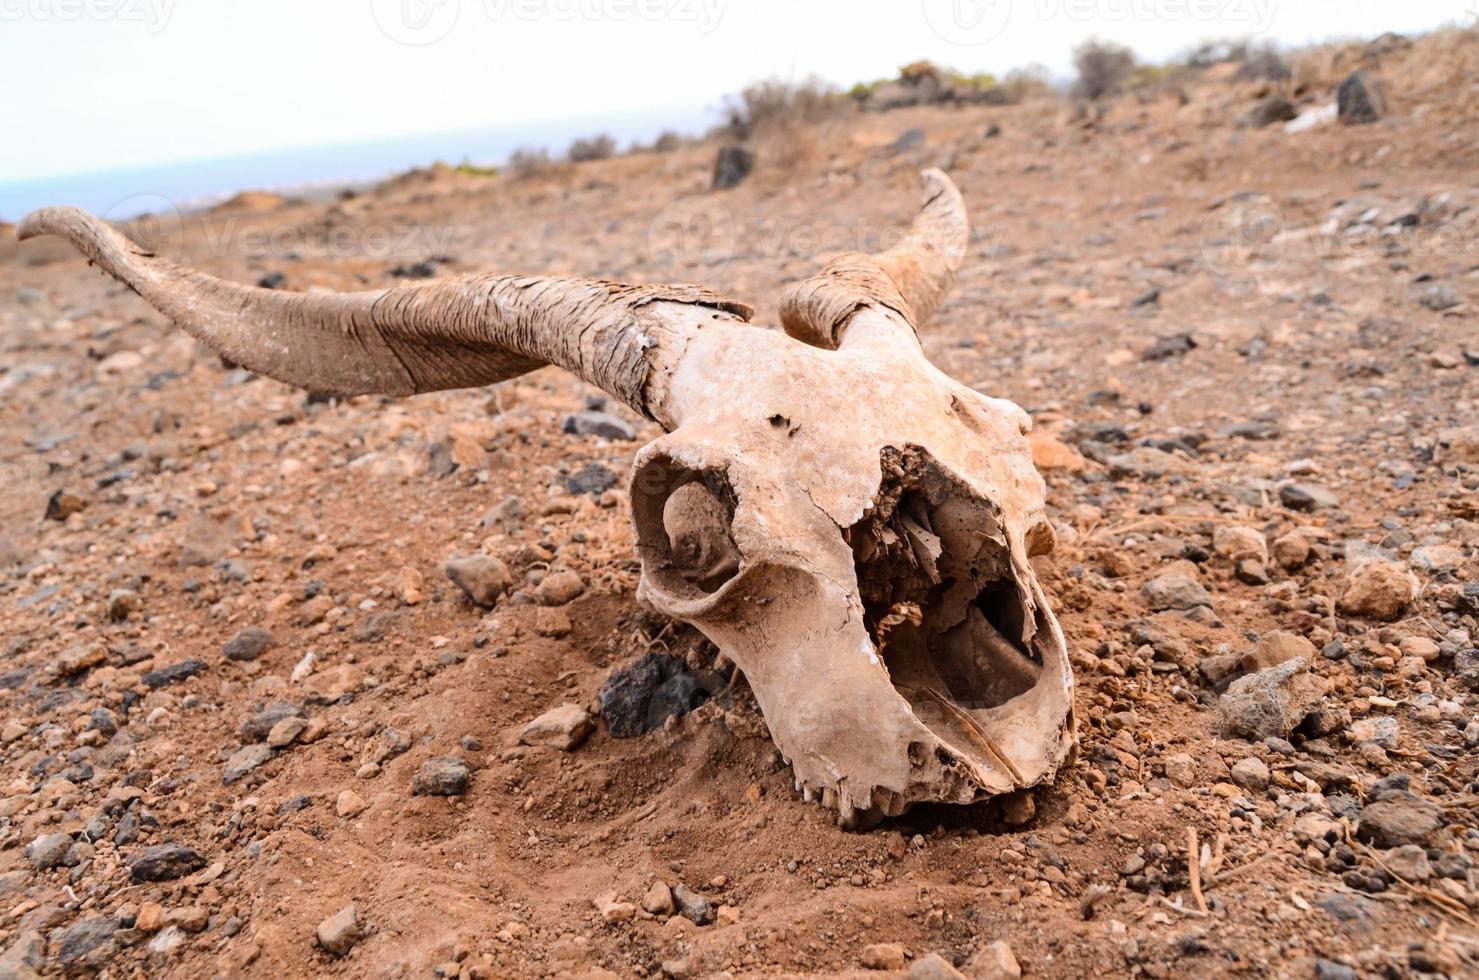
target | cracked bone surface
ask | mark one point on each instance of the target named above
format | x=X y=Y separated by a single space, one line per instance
x=851 y=526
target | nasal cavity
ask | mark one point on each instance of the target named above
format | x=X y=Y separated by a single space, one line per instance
x=684 y=520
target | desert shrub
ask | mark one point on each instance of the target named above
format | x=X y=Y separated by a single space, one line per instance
x=475 y=169
x=1021 y=84
x=667 y=142
x=527 y=161
x=601 y=147
x=1103 y=68
x=777 y=102
x=1257 y=62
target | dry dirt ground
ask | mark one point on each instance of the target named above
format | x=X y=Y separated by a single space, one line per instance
x=1251 y=359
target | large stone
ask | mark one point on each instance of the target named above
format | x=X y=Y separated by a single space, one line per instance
x=1271 y=703
x=88 y=943
x=340 y=931
x=731 y=166
x=1268 y=110
x=49 y=851
x=244 y=760
x=483 y=577
x=884 y=956
x=638 y=698
x=692 y=906
x=562 y=728
x=1175 y=588
x=165 y=862
x=1379 y=589
x=1399 y=818
x=994 y=961
x=1361 y=99
x=22 y=961
x=934 y=967
x=249 y=644
x=1307 y=497
x=444 y=776
x=601 y=424
x=1277 y=647
x=1235 y=542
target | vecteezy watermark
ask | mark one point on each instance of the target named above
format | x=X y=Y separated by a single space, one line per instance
x=967 y=22
x=415 y=22
x=1243 y=238
x=152 y=15
x=704 y=15
x=420 y=22
x=691 y=232
x=973 y=22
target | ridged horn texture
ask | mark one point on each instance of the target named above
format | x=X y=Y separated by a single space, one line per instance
x=451 y=333
x=911 y=278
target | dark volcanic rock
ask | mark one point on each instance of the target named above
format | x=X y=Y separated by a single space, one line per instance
x=174 y=672
x=249 y=644
x=165 y=862
x=88 y=942
x=444 y=776
x=255 y=728
x=1361 y=99
x=593 y=478
x=1399 y=818
x=638 y=698
x=732 y=166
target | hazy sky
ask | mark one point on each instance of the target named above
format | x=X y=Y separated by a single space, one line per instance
x=97 y=84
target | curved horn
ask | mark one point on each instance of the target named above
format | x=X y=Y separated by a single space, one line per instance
x=911 y=278
x=453 y=333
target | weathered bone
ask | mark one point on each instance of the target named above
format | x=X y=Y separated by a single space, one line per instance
x=851 y=526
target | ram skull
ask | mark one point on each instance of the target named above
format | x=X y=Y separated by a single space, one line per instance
x=850 y=526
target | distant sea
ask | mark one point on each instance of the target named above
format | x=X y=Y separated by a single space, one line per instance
x=192 y=184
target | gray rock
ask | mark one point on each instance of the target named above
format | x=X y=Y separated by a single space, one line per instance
x=244 y=760
x=1380 y=729
x=1307 y=497
x=1409 y=862
x=174 y=673
x=23 y=959
x=249 y=644
x=49 y=851
x=1331 y=970
x=601 y=424
x=1271 y=703
x=1174 y=590
x=165 y=862
x=693 y=906
x=592 y=478
x=732 y=165
x=482 y=577
x=260 y=725
x=1361 y=99
x=639 y=697
x=340 y=931
x=908 y=140
x=443 y=776
x=1399 y=818
x=1251 y=773
x=1439 y=296
x=87 y=943
x=1268 y=110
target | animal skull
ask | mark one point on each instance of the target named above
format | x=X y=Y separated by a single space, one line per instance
x=851 y=526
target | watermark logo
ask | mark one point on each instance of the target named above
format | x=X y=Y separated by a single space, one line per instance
x=152 y=222
x=968 y=22
x=152 y=15
x=1242 y=239
x=415 y=22
x=705 y=15
x=691 y=233
x=422 y=22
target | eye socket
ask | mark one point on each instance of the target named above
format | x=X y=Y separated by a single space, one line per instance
x=684 y=518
